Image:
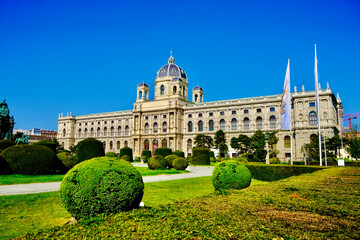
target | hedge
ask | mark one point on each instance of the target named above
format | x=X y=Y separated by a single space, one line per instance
x=126 y=158
x=276 y=172
x=110 y=154
x=32 y=160
x=157 y=162
x=67 y=159
x=231 y=175
x=89 y=148
x=47 y=143
x=101 y=185
x=169 y=160
x=5 y=168
x=163 y=151
x=200 y=156
x=5 y=143
x=179 y=153
x=146 y=153
x=126 y=151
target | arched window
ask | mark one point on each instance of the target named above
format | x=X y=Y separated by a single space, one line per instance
x=104 y=145
x=162 y=90
x=64 y=132
x=111 y=145
x=127 y=130
x=196 y=97
x=146 y=145
x=126 y=144
x=190 y=126
x=79 y=132
x=146 y=128
x=119 y=130
x=112 y=131
x=145 y=95
x=200 y=126
x=164 y=143
x=155 y=127
x=140 y=94
x=118 y=145
x=246 y=123
x=211 y=125
x=174 y=90
x=85 y=132
x=92 y=132
x=98 y=132
x=222 y=124
x=273 y=122
x=259 y=123
x=164 y=127
x=234 y=124
x=105 y=131
x=155 y=144
x=287 y=142
x=189 y=144
x=313 y=118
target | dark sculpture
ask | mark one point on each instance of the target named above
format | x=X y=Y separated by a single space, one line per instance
x=6 y=122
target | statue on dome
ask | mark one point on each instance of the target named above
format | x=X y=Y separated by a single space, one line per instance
x=6 y=122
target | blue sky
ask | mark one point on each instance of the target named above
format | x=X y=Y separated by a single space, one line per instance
x=88 y=56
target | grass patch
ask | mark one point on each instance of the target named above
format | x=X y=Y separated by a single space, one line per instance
x=320 y=205
x=22 y=179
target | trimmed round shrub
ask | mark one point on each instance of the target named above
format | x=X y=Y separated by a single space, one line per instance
x=101 y=185
x=180 y=163
x=169 y=160
x=249 y=157
x=212 y=159
x=274 y=161
x=126 y=158
x=88 y=148
x=200 y=156
x=163 y=151
x=126 y=151
x=157 y=162
x=137 y=159
x=67 y=159
x=231 y=175
x=146 y=153
x=242 y=160
x=5 y=168
x=145 y=159
x=5 y=143
x=47 y=143
x=31 y=159
x=110 y=154
x=179 y=153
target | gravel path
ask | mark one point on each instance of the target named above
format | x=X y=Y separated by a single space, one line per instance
x=195 y=171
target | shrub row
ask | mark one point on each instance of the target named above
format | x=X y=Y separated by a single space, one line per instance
x=159 y=162
x=276 y=172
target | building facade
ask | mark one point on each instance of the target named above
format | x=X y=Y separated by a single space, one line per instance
x=171 y=120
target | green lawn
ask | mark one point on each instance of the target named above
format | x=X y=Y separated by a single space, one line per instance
x=20 y=179
x=321 y=205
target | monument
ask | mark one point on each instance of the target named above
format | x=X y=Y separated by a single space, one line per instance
x=6 y=122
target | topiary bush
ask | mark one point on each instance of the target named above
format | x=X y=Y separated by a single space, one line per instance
x=88 y=148
x=137 y=159
x=179 y=153
x=180 y=163
x=126 y=158
x=67 y=159
x=101 y=185
x=274 y=161
x=169 y=160
x=212 y=159
x=146 y=153
x=211 y=154
x=249 y=157
x=5 y=168
x=231 y=175
x=5 y=143
x=111 y=154
x=200 y=156
x=126 y=151
x=163 y=151
x=157 y=162
x=47 y=143
x=31 y=159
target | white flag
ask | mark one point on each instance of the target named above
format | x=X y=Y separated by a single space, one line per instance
x=285 y=102
x=316 y=84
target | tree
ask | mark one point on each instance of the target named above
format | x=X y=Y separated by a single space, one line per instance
x=220 y=142
x=354 y=147
x=202 y=140
x=241 y=144
x=334 y=144
x=258 y=144
x=273 y=140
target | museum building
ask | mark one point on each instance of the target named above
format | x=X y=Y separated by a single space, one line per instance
x=171 y=120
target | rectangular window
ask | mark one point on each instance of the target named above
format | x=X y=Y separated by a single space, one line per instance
x=200 y=114
x=164 y=116
x=155 y=117
x=312 y=104
x=258 y=110
x=190 y=115
x=211 y=114
x=233 y=112
x=288 y=155
x=246 y=111
x=222 y=113
x=272 y=109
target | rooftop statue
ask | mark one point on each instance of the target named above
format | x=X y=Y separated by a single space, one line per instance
x=6 y=122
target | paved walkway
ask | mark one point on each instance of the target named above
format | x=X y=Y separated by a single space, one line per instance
x=195 y=171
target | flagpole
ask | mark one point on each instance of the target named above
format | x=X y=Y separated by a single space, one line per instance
x=291 y=133
x=317 y=104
